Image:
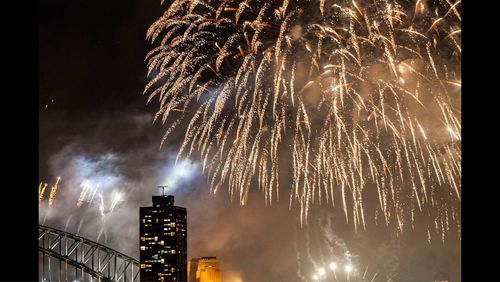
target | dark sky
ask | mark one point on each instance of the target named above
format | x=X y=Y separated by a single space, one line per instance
x=94 y=125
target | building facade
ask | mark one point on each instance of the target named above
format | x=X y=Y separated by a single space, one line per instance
x=205 y=269
x=163 y=241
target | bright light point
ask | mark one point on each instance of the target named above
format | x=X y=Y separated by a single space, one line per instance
x=315 y=277
x=321 y=271
x=348 y=268
x=333 y=266
x=454 y=135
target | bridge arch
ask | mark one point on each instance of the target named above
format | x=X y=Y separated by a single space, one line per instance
x=87 y=260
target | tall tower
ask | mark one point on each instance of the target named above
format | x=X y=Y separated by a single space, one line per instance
x=163 y=241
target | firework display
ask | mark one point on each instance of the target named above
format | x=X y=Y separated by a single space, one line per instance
x=85 y=197
x=53 y=191
x=332 y=100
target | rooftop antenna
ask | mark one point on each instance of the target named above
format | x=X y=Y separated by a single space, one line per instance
x=163 y=189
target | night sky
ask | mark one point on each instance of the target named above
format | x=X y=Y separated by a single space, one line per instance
x=94 y=125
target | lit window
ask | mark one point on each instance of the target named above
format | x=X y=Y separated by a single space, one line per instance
x=143 y=248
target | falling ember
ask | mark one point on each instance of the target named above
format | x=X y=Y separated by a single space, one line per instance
x=371 y=70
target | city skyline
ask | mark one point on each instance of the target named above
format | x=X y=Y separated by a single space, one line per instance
x=97 y=135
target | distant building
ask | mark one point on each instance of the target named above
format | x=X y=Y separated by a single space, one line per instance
x=163 y=241
x=205 y=269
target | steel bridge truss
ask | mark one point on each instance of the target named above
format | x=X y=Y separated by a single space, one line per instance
x=67 y=257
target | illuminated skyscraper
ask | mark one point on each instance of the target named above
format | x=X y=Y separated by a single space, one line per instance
x=163 y=241
x=205 y=269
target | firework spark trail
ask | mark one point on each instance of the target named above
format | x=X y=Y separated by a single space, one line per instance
x=117 y=197
x=80 y=224
x=299 y=264
x=41 y=191
x=100 y=233
x=67 y=222
x=330 y=252
x=53 y=192
x=308 y=250
x=358 y=95
x=102 y=209
x=86 y=187
x=44 y=218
